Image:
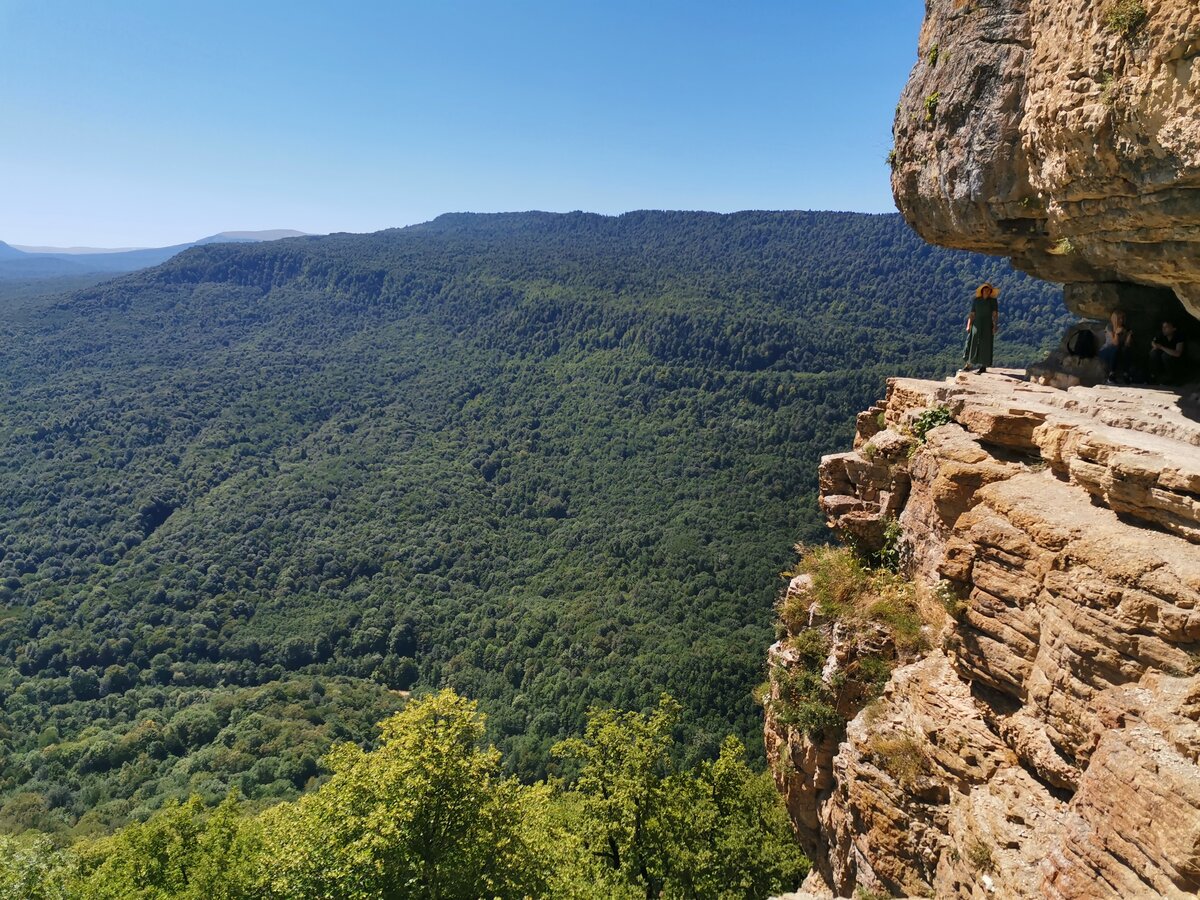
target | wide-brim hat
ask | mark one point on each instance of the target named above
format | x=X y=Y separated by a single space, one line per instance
x=986 y=284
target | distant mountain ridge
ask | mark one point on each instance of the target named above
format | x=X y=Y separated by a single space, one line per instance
x=51 y=262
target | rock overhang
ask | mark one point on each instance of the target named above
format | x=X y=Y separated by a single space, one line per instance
x=1065 y=135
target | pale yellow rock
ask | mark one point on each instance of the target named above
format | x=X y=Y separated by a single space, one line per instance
x=1063 y=134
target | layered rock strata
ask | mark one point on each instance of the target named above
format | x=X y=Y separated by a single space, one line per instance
x=1050 y=737
x=1064 y=134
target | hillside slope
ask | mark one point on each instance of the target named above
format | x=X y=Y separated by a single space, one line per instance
x=547 y=460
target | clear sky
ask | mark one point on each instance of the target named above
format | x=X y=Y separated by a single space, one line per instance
x=152 y=122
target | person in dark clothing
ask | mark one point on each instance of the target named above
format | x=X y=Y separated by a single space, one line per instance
x=1118 y=341
x=1166 y=355
x=982 y=324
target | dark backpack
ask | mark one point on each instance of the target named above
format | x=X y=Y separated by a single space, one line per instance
x=1082 y=343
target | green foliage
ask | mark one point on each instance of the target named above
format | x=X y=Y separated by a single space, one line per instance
x=838 y=580
x=1125 y=17
x=891 y=554
x=185 y=852
x=1062 y=247
x=650 y=829
x=32 y=869
x=951 y=602
x=861 y=601
x=430 y=814
x=892 y=603
x=931 y=105
x=171 y=742
x=805 y=702
x=929 y=419
x=545 y=460
x=933 y=55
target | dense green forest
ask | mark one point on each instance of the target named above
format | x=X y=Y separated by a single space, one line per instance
x=430 y=814
x=253 y=496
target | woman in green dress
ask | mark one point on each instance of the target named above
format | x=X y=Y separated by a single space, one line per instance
x=982 y=323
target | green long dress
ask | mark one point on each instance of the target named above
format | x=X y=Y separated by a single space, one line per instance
x=978 y=351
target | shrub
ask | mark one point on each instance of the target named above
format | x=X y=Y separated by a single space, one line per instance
x=1125 y=17
x=805 y=701
x=1063 y=247
x=838 y=578
x=979 y=855
x=930 y=419
x=955 y=607
x=895 y=607
x=902 y=756
x=891 y=554
x=931 y=105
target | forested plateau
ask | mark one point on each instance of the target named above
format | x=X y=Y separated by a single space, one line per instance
x=251 y=498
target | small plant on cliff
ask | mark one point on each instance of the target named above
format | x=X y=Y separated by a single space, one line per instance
x=902 y=756
x=891 y=160
x=1125 y=17
x=955 y=607
x=931 y=105
x=933 y=55
x=805 y=701
x=894 y=606
x=1063 y=247
x=838 y=579
x=891 y=554
x=1108 y=93
x=929 y=420
x=979 y=855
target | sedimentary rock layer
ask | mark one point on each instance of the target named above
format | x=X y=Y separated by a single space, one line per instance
x=1063 y=134
x=1050 y=737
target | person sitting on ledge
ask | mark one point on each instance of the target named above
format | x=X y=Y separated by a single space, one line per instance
x=1166 y=355
x=1118 y=340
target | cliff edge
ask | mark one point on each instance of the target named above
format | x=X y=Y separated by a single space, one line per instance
x=1041 y=737
x=1063 y=134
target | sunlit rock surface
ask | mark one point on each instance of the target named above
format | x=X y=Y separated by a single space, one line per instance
x=1055 y=719
x=1064 y=134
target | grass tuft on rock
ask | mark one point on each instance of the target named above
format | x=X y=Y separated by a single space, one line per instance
x=902 y=756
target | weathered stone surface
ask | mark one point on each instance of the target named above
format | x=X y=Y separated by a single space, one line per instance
x=1062 y=135
x=1057 y=725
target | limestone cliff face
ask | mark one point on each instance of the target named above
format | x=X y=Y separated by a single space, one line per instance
x=1064 y=134
x=1047 y=742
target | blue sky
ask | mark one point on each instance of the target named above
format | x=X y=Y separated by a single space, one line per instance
x=150 y=122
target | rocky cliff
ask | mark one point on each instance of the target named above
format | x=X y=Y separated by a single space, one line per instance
x=1040 y=738
x=1064 y=134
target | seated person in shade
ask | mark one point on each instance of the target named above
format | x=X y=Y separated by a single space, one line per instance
x=1166 y=355
x=1118 y=341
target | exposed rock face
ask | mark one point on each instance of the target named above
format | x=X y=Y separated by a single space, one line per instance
x=1064 y=134
x=1048 y=745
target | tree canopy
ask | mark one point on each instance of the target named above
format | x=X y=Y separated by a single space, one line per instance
x=254 y=495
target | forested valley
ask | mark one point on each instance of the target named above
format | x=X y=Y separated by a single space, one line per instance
x=254 y=498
